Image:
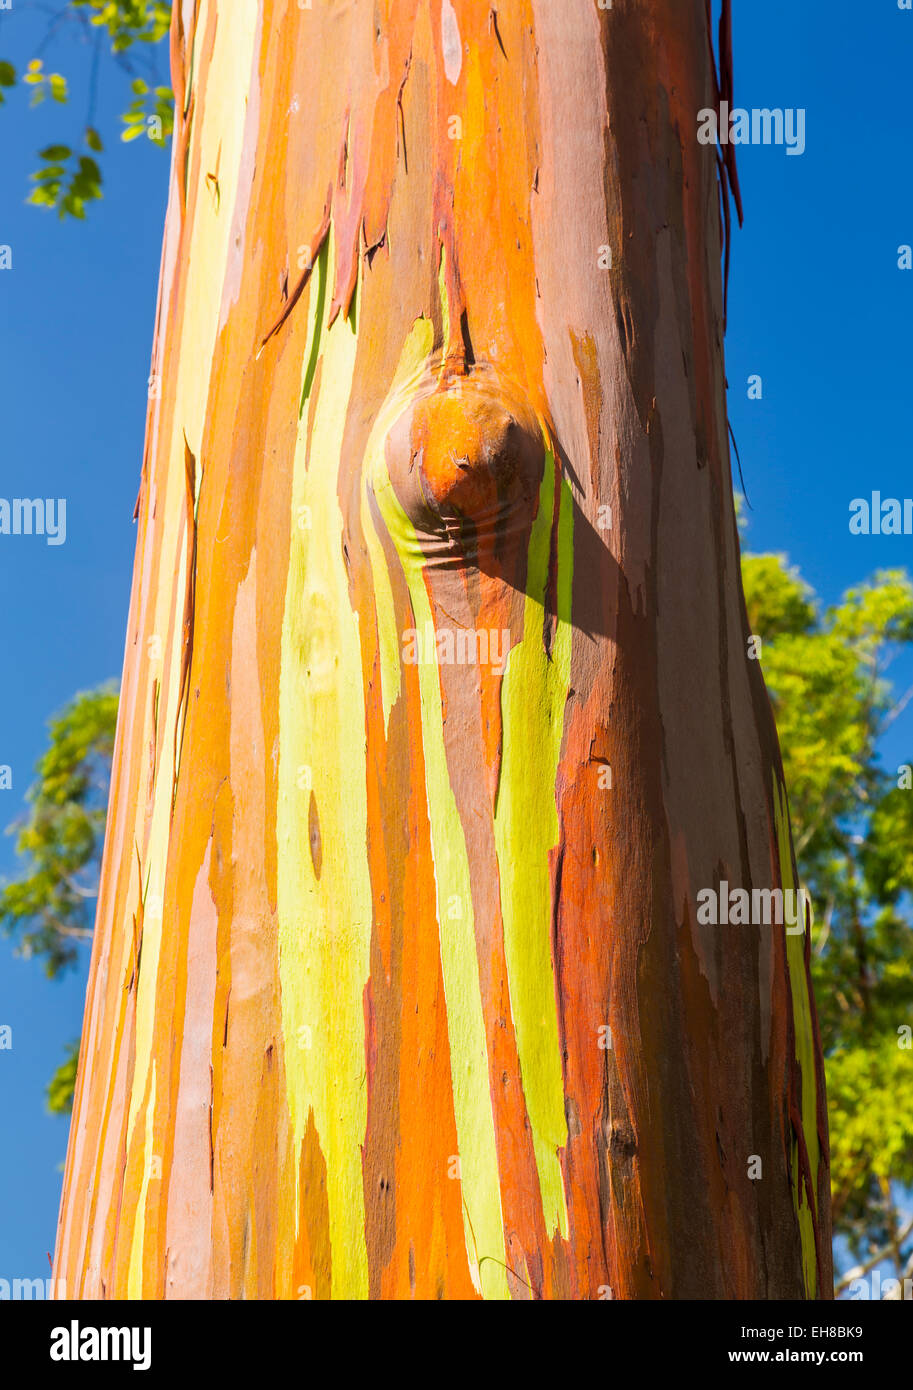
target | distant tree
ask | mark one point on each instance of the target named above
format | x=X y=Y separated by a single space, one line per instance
x=50 y=907
x=853 y=827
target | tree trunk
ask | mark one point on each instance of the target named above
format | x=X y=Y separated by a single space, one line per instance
x=438 y=712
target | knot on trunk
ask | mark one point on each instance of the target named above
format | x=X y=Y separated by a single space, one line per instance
x=465 y=460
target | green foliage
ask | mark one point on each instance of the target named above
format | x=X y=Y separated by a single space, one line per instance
x=62 y=1084
x=853 y=831
x=870 y=1098
x=158 y=123
x=69 y=180
x=7 y=79
x=779 y=594
x=43 y=83
x=50 y=907
x=128 y=21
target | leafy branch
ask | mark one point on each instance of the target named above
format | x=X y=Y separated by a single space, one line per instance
x=70 y=179
x=49 y=907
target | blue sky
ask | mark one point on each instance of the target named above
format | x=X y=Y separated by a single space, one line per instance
x=817 y=307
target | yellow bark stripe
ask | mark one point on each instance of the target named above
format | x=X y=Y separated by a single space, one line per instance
x=324 y=893
x=135 y=1270
x=533 y=697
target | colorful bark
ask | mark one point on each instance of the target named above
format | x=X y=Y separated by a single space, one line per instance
x=366 y=920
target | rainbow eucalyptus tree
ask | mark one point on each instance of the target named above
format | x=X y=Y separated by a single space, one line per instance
x=438 y=709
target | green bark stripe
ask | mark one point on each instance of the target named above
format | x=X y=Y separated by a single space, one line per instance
x=533 y=697
x=805 y=1055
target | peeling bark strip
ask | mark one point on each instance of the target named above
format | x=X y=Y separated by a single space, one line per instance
x=423 y=1008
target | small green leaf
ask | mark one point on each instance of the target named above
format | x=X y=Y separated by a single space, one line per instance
x=56 y=152
x=93 y=139
x=45 y=195
x=7 y=75
x=72 y=205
